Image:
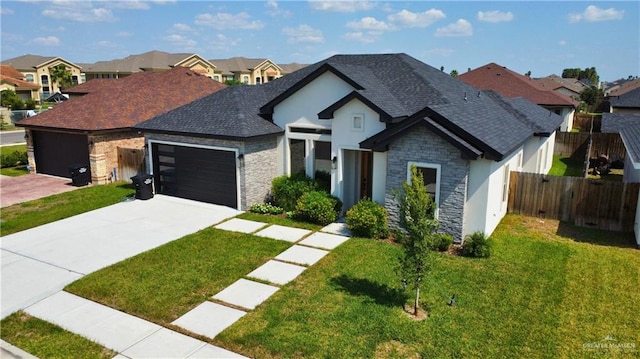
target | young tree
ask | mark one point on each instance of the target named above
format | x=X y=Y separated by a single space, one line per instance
x=454 y=73
x=416 y=233
x=61 y=76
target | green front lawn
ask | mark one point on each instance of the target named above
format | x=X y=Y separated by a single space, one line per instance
x=541 y=295
x=566 y=166
x=46 y=340
x=166 y=282
x=14 y=171
x=34 y=213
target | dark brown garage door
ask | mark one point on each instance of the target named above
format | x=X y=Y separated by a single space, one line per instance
x=55 y=152
x=200 y=174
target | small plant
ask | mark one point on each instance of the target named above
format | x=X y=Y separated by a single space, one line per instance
x=368 y=219
x=13 y=159
x=287 y=190
x=476 y=245
x=317 y=207
x=266 y=208
x=441 y=242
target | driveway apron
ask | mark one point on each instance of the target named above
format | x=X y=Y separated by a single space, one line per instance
x=41 y=261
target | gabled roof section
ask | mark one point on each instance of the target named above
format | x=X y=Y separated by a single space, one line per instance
x=231 y=113
x=151 y=60
x=511 y=84
x=628 y=126
x=241 y=64
x=15 y=78
x=192 y=60
x=126 y=102
x=614 y=122
x=27 y=62
x=630 y=99
x=622 y=88
x=327 y=113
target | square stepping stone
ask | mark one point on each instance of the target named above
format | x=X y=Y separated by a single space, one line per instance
x=324 y=240
x=209 y=319
x=246 y=293
x=164 y=343
x=240 y=225
x=302 y=255
x=283 y=233
x=211 y=351
x=277 y=272
x=337 y=228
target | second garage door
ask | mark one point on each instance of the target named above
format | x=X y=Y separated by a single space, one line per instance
x=201 y=174
x=55 y=152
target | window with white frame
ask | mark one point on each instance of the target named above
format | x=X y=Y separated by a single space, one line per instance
x=431 y=176
x=357 y=122
x=245 y=80
x=505 y=183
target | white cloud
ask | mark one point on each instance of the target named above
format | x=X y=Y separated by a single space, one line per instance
x=303 y=33
x=127 y=4
x=124 y=34
x=226 y=21
x=5 y=11
x=71 y=11
x=368 y=23
x=593 y=14
x=406 y=18
x=46 y=41
x=461 y=27
x=181 y=41
x=562 y=42
x=181 y=28
x=273 y=9
x=359 y=36
x=342 y=6
x=495 y=16
x=106 y=44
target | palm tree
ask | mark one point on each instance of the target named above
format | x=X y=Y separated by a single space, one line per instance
x=61 y=75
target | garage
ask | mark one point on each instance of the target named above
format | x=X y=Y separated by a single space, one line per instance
x=196 y=173
x=55 y=152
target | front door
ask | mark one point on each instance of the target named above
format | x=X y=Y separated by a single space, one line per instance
x=357 y=177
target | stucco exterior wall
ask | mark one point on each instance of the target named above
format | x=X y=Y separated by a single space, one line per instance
x=257 y=168
x=421 y=145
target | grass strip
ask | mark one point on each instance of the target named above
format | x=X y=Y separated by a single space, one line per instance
x=46 y=340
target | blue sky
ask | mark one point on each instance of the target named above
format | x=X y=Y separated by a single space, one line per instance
x=543 y=37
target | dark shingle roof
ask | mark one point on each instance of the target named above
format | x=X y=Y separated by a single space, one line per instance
x=628 y=125
x=127 y=101
x=626 y=100
x=401 y=88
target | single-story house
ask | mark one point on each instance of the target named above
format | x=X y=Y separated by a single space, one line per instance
x=628 y=102
x=512 y=84
x=570 y=87
x=12 y=79
x=628 y=126
x=365 y=119
x=88 y=130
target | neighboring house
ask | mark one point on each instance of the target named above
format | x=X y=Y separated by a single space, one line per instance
x=511 y=84
x=628 y=126
x=37 y=70
x=245 y=70
x=621 y=87
x=365 y=119
x=12 y=79
x=147 y=62
x=88 y=130
x=628 y=102
x=568 y=87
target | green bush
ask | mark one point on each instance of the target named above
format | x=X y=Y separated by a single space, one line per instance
x=476 y=245
x=317 y=207
x=266 y=208
x=30 y=104
x=368 y=219
x=287 y=190
x=441 y=242
x=13 y=159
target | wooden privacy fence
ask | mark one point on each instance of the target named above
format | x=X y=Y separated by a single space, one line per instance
x=583 y=202
x=130 y=162
x=575 y=144
x=583 y=122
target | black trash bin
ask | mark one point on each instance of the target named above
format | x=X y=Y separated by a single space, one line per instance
x=143 y=185
x=80 y=174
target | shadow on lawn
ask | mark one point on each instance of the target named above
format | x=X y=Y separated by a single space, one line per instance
x=379 y=293
x=596 y=236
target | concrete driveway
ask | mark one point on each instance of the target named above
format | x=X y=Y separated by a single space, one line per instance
x=41 y=261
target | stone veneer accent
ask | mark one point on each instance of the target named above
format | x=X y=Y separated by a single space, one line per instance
x=103 y=154
x=259 y=168
x=422 y=145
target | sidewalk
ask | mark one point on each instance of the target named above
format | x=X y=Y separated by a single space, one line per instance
x=133 y=337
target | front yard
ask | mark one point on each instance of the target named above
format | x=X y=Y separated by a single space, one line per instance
x=542 y=294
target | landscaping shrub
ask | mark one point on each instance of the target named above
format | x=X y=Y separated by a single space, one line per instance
x=266 y=208
x=317 y=207
x=368 y=219
x=13 y=159
x=287 y=190
x=476 y=245
x=441 y=242
x=323 y=179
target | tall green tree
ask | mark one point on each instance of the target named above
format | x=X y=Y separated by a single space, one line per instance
x=592 y=96
x=589 y=73
x=61 y=76
x=572 y=73
x=416 y=233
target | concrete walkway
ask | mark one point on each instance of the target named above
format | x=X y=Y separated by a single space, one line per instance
x=133 y=337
